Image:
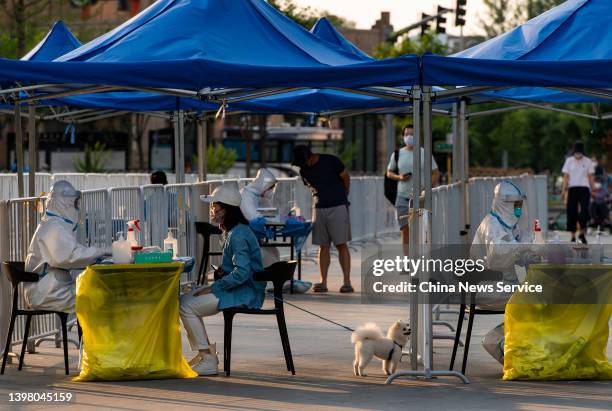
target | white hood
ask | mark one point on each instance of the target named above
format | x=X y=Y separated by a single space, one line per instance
x=505 y=194
x=61 y=201
x=263 y=181
x=252 y=194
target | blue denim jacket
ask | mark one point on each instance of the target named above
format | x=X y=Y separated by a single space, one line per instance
x=241 y=259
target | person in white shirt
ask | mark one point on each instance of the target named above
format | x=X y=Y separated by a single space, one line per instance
x=401 y=171
x=577 y=187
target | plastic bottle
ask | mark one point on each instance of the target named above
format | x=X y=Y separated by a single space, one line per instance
x=538 y=238
x=122 y=251
x=131 y=235
x=171 y=243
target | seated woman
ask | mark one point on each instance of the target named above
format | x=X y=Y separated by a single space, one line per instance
x=234 y=285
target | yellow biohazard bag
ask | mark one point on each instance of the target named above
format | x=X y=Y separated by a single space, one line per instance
x=560 y=341
x=130 y=320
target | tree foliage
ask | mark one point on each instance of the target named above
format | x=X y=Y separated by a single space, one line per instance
x=428 y=43
x=94 y=159
x=307 y=16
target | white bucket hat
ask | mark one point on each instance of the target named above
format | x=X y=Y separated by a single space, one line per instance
x=227 y=193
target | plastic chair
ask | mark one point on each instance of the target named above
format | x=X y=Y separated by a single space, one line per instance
x=278 y=273
x=206 y=230
x=471 y=310
x=16 y=274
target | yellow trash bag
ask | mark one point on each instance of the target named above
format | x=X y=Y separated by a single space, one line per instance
x=559 y=341
x=130 y=320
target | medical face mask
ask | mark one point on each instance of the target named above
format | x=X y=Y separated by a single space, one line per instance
x=518 y=212
x=409 y=140
x=216 y=216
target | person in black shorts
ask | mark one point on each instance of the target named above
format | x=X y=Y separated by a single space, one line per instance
x=329 y=182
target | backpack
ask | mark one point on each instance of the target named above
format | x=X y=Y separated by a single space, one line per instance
x=391 y=185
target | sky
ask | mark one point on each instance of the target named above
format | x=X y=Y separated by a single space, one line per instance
x=403 y=12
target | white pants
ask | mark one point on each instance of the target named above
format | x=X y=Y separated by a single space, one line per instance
x=192 y=310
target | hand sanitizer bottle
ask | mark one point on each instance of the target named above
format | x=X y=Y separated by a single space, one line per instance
x=171 y=243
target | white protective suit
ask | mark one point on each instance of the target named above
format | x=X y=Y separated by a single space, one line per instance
x=498 y=237
x=252 y=195
x=54 y=251
x=503 y=245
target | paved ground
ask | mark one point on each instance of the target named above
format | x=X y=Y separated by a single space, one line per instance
x=323 y=360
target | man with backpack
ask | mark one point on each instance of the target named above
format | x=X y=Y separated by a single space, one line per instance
x=399 y=171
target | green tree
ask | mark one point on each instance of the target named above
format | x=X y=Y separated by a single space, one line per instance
x=93 y=160
x=307 y=16
x=428 y=43
x=219 y=159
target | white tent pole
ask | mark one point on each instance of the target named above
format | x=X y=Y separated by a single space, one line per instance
x=413 y=219
x=427 y=143
x=175 y=120
x=32 y=150
x=19 y=149
x=181 y=148
x=456 y=163
x=463 y=121
x=202 y=145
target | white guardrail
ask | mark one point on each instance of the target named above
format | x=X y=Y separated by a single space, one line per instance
x=105 y=211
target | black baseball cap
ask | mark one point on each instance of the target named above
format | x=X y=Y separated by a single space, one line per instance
x=300 y=155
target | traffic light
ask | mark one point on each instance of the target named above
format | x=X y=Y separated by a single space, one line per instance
x=440 y=20
x=460 y=12
x=425 y=24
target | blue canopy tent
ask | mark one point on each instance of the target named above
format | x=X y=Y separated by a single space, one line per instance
x=245 y=44
x=58 y=41
x=306 y=101
x=566 y=48
x=247 y=50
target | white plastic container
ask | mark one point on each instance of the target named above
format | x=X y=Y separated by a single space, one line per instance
x=171 y=243
x=122 y=251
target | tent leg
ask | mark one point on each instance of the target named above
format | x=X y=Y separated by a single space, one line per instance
x=19 y=149
x=414 y=222
x=426 y=242
x=202 y=145
x=32 y=149
x=455 y=169
x=465 y=160
x=179 y=146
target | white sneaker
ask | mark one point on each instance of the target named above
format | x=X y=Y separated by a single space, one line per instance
x=195 y=360
x=208 y=365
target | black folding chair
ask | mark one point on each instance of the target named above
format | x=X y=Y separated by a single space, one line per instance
x=206 y=230
x=278 y=273
x=16 y=274
x=469 y=306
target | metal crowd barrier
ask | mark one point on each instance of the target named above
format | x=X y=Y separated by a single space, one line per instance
x=105 y=211
x=82 y=181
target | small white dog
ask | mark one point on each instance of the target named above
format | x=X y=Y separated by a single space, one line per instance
x=370 y=342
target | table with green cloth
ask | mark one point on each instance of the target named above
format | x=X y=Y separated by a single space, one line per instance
x=561 y=333
x=129 y=314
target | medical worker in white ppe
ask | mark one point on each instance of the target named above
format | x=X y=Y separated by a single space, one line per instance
x=504 y=246
x=258 y=194
x=54 y=252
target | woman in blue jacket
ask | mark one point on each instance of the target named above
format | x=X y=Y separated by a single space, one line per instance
x=234 y=286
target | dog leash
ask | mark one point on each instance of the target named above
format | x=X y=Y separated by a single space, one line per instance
x=316 y=315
